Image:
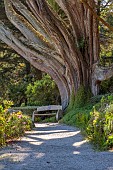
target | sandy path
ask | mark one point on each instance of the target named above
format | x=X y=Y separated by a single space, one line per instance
x=54 y=147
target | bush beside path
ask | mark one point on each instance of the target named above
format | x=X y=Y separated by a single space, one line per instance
x=52 y=146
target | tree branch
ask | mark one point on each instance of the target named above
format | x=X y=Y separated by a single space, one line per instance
x=96 y=16
x=48 y=65
x=30 y=17
x=24 y=26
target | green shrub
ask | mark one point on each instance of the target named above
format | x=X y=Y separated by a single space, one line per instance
x=42 y=92
x=100 y=127
x=80 y=98
x=7 y=103
x=96 y=121
x=77 y=117
x=50 y=119
x=95 y=99
x=2 y=130
x=12 y=125
x=106 y=86
x=72 y=101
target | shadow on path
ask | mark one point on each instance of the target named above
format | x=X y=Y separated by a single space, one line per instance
x=51 y=146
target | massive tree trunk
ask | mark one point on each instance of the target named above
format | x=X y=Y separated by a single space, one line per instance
x=67 y=50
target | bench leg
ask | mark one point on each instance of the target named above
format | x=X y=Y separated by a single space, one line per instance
x=33 y=116
x=58 y=115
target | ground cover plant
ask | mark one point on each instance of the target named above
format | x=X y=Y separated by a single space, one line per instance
x=12 y=125
x=100 y=125
x=94 y=118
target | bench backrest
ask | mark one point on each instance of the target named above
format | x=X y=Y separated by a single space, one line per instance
x=50 y=107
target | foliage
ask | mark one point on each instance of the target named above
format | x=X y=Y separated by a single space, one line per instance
x=95 y=120
x=12 y=68
x=15 y=74
x=50 y=119
x=18 y=77
x=100 y=127
x=58 y=10
x=42 y=92
x=7 y=104
x=12 y=125
x=17 y=93
x=71 y=103
x=106 y=36
x=81 y=98
x=106 y=86
x=77 y=117
x=18 y=84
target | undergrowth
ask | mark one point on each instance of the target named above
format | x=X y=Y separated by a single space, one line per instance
x=94 y=117
x=50 y=119
x=12 y=125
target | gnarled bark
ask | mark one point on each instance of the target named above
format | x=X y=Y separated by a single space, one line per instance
x=67 y=52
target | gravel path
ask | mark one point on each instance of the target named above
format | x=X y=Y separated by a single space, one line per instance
x=51 y=146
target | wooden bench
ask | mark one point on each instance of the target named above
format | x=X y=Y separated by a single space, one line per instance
x=48 y=108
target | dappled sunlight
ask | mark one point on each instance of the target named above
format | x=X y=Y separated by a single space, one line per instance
x=53 y=131
x=111 y=150
x=39 y=155
x=44 y=125
x=67 y=134
x=76 y=152
x=15 y=157
x=53 y=147
x=46 y=132
x=28 y=139
x=2 y=167
x=78 y=144
x=36 y=143
x=31 y=140
x=5 y=155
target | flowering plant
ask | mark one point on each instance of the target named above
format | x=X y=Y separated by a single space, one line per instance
x=12 y=125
